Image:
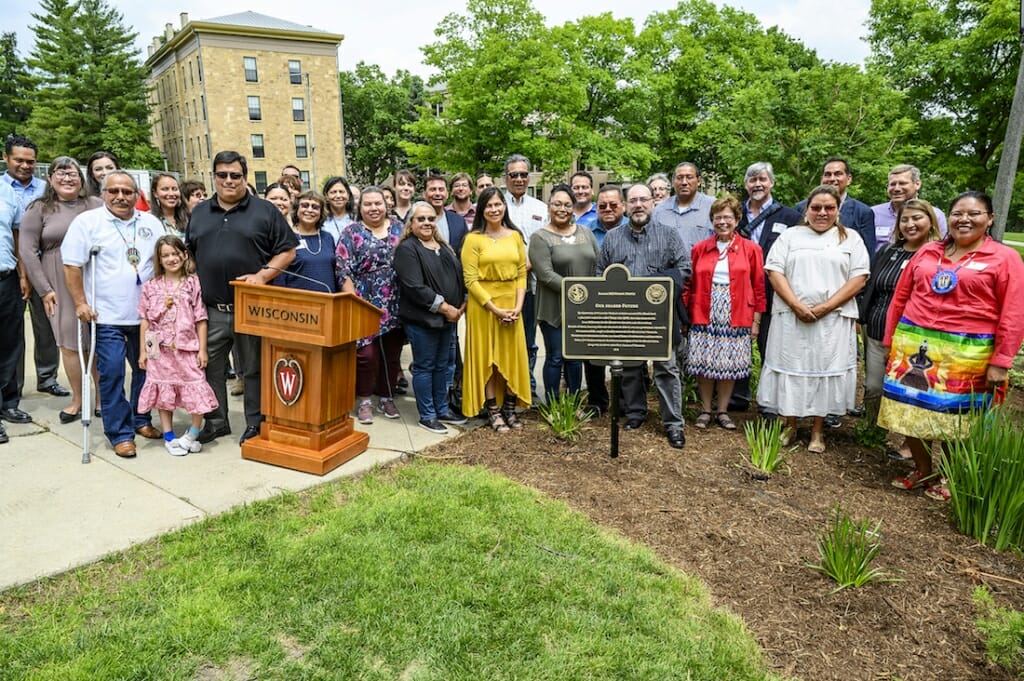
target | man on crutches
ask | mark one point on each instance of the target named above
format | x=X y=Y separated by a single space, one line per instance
x=126 y=239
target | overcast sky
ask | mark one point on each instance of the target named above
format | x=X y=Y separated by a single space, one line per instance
x=391 y=34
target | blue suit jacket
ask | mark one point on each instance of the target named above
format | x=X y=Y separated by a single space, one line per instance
x=457 y=230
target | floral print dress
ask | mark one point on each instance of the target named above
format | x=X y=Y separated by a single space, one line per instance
x=366 y=260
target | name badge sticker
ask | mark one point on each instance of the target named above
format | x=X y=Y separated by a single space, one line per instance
x=904 y=265
x=779 y=228
x=978 y=266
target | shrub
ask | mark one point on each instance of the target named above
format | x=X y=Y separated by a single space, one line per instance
x=985 y=475
x=1003 y=630
x=566 y=414
x=869 y=434
x=847 y=548
x=764 y=440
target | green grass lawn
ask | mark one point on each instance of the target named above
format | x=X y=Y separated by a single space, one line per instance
x=421 y=572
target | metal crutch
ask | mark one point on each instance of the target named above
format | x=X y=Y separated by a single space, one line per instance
x=86 y=364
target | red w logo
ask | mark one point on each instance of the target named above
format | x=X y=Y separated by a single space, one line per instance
x=288 y=380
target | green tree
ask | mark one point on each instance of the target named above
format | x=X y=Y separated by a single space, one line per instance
x=696 y=57
x=377 y=109
x=501 y=87
x=608 y=130
x=15 y=85
x=957 y=62
x=93 y=91
x=797 y=119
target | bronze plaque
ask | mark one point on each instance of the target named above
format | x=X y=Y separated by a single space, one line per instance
x=617 y=317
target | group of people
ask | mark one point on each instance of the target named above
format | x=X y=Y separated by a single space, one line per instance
x=800 y=282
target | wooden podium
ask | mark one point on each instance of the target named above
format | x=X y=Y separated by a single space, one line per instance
x=308 y=368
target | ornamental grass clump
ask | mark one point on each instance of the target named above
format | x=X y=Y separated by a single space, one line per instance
x=764 y=441
x=566 y=414
x=847 y=548
x=985 y=476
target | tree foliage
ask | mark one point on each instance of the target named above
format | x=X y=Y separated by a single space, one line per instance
x=93 y=92
x=501 y=90
x=15 y=84
x=956 y=61
x=377 y=110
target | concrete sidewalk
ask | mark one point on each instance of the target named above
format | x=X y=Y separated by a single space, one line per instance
x=56 y=513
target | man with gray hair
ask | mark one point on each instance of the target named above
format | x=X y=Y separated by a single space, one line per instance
x=763 y=220
x=904 y=185
x=529 y=215
x=124 y=240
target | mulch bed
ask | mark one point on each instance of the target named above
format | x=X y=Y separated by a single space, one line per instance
x=750 y=541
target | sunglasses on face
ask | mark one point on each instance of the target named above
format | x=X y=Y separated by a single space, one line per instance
x=223 y=175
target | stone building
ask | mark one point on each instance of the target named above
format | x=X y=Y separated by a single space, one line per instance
x=261 y=86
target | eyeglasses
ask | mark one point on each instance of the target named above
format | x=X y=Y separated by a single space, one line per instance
x=223 y=175
x=65 y=174
x=424 y=218
x=639 y=200
x=115 y=191
x=518 y=175
x=559 y=205
x=822 y=209
x=608 y=206
x=308 y=205
x=973 y=215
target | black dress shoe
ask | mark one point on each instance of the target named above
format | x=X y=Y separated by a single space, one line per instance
x=738 y=405
x=69 y=418
x=633 y=424
x=56 y=390
x=676 y=438
x=250 y=432
x=208 y=434
x=15 y=415
x=3 y=436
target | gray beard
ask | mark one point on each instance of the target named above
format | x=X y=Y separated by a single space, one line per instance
x=638 y=224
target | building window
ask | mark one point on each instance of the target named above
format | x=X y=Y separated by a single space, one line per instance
x=191 y=75
x=304 y=176
x=261 y=181
x=202 y=100
x=257 y=146
x=295 y=72
x=251 y=75
x=298 y=109
x=207 y=138
x=254 y=109
x=199 y=68
x=301 y=151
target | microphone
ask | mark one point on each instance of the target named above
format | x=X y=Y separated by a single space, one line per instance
x=300 y=276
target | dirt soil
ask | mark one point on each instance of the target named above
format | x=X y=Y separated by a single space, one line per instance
x=750 y=541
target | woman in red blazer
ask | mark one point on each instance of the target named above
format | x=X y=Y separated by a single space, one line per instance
x=725 y=297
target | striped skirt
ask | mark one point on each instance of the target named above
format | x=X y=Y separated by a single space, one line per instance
x=932 y=380
x=717 y=350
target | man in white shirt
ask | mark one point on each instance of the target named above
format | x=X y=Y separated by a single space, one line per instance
x=529 y=215
x=124 y=240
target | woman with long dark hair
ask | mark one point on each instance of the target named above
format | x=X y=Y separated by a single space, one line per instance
x=168 y=205
x=953 y=327
x=496 y=373
x=340 y=205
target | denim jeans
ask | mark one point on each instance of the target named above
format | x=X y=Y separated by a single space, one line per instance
x=431 y=349
x=554 y=363
x=114 y=345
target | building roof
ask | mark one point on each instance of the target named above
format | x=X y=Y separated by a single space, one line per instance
x=256 y=20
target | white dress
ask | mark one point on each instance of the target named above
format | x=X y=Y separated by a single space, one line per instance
x=811 y=369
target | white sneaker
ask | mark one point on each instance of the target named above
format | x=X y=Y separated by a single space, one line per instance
x=174 y=449
x=188 y=444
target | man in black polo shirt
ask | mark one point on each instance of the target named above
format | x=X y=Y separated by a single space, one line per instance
x=232 y=236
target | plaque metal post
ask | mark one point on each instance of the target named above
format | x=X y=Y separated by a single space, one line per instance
x=616 y=386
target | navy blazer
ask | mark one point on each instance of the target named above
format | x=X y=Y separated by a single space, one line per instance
x=856 y=215
x=457 y=230
x=775 y=213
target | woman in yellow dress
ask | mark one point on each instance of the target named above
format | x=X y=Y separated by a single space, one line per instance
x=494 y=267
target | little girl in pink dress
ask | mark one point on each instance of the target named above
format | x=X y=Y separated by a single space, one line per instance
x=173 y=338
